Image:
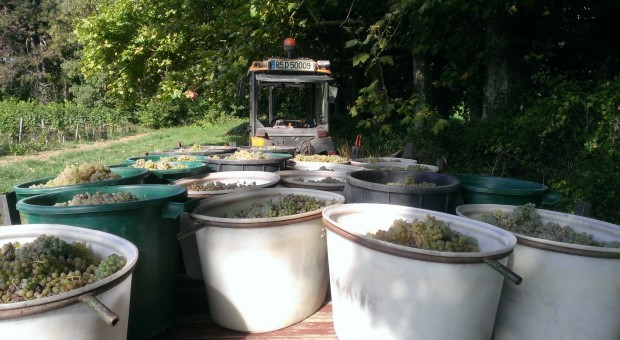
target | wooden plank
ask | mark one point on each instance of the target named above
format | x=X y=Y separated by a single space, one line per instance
x=8 y=214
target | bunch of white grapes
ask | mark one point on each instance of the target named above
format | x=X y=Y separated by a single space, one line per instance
x=217 y=185
x=428 y=234
x=48 y=266
x=409 y=182
x=290 y=204
x=158 y=165
x=526 y=221
x=82 y=173
x=87 y=198
x=322 y=158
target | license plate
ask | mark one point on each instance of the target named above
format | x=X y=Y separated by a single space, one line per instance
x=292 y=65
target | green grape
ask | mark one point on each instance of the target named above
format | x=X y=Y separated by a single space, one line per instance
x=244 y=155
x=77 y=174
x=48 y=266
x=87 y=198
x=526 y=221
x=409 y=182
x=158 y=165
x=322 y=158
x=429 y=234
x=217 y=185
x=285 y=205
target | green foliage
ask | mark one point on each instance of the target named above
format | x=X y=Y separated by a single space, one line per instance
x=42 y=124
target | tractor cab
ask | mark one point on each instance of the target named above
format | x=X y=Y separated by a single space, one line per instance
x=294 y=110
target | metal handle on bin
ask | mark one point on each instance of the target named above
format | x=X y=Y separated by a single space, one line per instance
x=500 y=268
x=193 y=229
x=104 y=313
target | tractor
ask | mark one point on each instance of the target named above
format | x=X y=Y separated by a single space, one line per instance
x=296 y=97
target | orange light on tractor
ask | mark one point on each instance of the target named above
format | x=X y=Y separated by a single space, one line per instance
x=289 y=46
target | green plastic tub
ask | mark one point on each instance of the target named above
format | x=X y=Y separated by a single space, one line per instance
x=151 y=223
x=128 y=176
x=481 y=189
x=155 y=158
x=170 y=175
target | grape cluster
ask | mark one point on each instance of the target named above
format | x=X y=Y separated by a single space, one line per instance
x=77 y=174
x=326 y=180
x=86 y=198
x=290 y=204
x=322 y=158
x=49 y=266
x=417 y=167
x=217 y=185
x=109 y=265
x=181 y=158
x=429 y=234
x=158 y=165
x=526 y=221
x=193 y=148
x=409 y=182
x=243 y=155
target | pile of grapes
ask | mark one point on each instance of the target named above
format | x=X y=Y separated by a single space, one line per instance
x=410 y=182
x=417 y=167
x=49 y=266
x=322 y=158
x=158 y=165
x=181 y=158
x=326 y=180
x=243 y=155
x=430 y=234
x=86 y=198
x=77 y=174
x=290 y=204
x=193 y=148
x=217 y=185
x=526 y=221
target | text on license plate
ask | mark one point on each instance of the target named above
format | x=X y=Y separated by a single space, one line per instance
x=292 y=65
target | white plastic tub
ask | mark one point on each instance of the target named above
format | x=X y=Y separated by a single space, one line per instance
x=386 y=291
x=262 y=274
x=308 y=179
x=401 y=166
x=67 y=316
x=569 y=291
x=371 y=160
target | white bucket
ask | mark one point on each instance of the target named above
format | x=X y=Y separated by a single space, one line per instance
x=386 y=291
x=67 y=316
x=569 y=291
x=262 y=274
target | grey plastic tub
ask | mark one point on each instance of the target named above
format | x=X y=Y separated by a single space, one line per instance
x=371 y=186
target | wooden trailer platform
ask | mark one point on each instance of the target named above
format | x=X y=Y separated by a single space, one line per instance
x=194 y=322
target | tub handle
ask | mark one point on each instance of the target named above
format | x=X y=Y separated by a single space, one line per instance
x=104 y=313
x=192 y=229
x=173 y=209
x=500 y=268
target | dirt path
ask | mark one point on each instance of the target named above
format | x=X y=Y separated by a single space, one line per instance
x=47 y=154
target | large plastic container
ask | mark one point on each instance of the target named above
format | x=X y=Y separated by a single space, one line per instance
x=170 y=175
x=371 y=160
x=151 y=223
x=271 y=149
x=205 y=150
x=387 y=166
x=128 y=176
x=320 y=166
x=386 y=291
x=189 y=248
x=174 y=157
x=271 y=163
x=371 y=186
x=262 y=274
x=480 y=189
x=308 y=179
x=569 y=291
x=67 y=315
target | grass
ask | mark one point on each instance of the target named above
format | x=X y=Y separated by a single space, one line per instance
x=21 y=171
